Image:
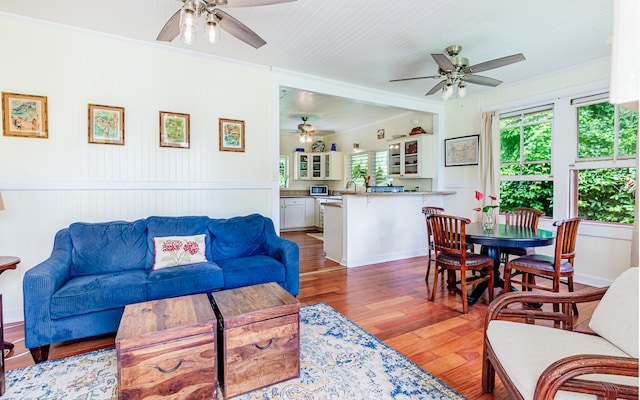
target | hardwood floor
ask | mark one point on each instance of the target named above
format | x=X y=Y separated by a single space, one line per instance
x=389 y=300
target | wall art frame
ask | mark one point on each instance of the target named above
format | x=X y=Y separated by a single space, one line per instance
x=380 y=134
x=464 y=150
x=174 y=130
x=106 y=124
x=24 y=115
x=231 y=134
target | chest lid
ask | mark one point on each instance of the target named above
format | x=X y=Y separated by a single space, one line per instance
x=249 y=304
x=156 y=321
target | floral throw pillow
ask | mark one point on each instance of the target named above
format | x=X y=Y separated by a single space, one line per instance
x=178 y=250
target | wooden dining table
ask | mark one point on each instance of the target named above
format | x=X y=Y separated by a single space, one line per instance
x=491 y=240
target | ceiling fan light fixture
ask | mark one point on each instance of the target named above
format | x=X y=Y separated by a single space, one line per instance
x=212 y=29
x=188 y=22
x=462 y=89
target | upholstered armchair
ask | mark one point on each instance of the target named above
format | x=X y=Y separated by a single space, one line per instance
x=542 y=357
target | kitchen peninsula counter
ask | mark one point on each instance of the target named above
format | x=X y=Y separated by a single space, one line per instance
x=369 y=228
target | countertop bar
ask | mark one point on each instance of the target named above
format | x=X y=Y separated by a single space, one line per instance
x=434 y=193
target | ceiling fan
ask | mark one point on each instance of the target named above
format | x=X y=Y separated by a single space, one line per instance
x=183 y=21
x=307 y=131
x=456 y=72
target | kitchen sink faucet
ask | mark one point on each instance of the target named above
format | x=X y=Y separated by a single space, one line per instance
x=355 y=189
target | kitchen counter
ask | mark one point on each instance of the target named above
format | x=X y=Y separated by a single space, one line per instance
x=370 y=228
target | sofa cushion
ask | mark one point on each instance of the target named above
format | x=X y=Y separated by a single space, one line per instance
x=526 y=350
x=174 y=226
x=91 y=293
x=237 y=237
x=245 y=271
x=103 y=248
x=178 y=250
x=616 y=316
x=183 y=280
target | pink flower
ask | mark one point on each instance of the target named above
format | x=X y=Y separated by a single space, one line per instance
x=171 y=245
x=477 y=209
x=191 y=247
x=493 y=198
x=479 y=196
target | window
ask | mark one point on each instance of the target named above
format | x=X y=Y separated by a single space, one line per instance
x=376 y=161
x=525 y=159
x=604 y=176
x=283 y=169
x=359 y=166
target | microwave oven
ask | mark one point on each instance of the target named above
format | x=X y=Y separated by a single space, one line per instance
x=319 y=190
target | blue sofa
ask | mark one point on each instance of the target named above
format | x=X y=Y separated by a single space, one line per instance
x=96 y=269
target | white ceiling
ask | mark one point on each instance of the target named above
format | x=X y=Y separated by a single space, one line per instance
x=368 y=42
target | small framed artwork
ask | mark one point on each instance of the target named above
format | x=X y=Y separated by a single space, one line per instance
x=380 y=133
x=174 y=130
x=24 y=115
x=463 y=150
x=231 y=135
x=106 y=124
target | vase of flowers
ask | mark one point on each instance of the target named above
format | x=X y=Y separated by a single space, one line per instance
x=488 y=211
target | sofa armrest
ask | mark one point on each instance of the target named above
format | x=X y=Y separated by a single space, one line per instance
x=562 y=375
x=499 y=308
x=288 y=253
x=39 y=285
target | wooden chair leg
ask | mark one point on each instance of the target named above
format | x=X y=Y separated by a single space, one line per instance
x=491 y=283
x=507 y=279
x=463 y=288
x=488 y=375
x=426 y=277
x=570 y=285
x=435 y=282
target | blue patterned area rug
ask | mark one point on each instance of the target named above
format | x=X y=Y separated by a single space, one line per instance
x=338 y=360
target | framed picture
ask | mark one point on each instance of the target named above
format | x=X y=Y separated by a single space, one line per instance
x=106 y=124
x=24 y=115
x=462 y=151
x=174 y=130
x=380 y=133
x=231 y=135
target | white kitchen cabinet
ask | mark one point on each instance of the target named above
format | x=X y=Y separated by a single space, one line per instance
x=412 y=157
x=318 y=166
x=297 y=213
x=332 y=168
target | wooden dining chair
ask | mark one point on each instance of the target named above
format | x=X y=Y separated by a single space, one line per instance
x=449 y=239
x=520 y=217
x=554 y=268
x=428 y=210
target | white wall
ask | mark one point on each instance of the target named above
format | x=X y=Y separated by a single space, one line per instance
x=49 y=183
x=603 y=252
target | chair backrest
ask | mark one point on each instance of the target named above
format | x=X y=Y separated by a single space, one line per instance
x=524 y=217
x=566 y=240
x=449 y=233
x=428 y=210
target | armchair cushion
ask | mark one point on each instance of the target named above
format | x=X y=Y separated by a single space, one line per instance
x=182 y=280
x=103 y=248
x=540 y=346
x=616 y=317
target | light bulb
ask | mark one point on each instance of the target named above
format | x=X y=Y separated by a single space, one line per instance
x=188 y=22
x=447 y=92
x=462 y=89
x=308 y=139
x=302 y=139
x=212 y=29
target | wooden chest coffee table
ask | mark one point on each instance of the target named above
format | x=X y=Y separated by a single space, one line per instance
x=167 y=348
x=258 y=337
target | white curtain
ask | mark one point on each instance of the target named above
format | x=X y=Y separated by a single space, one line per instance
x=489 y=155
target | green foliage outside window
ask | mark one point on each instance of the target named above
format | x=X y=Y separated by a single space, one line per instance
x=607 y=194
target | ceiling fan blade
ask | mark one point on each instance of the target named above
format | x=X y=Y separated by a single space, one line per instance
x=498 y=62
x=436 y=88
x=443 y=62
x=254 y=3
x=419 y=77
x=238 y=29
x=481 y=80
x=171 y=29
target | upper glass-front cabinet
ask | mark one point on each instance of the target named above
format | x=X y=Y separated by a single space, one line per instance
x=318 y=166
x=411 y=157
